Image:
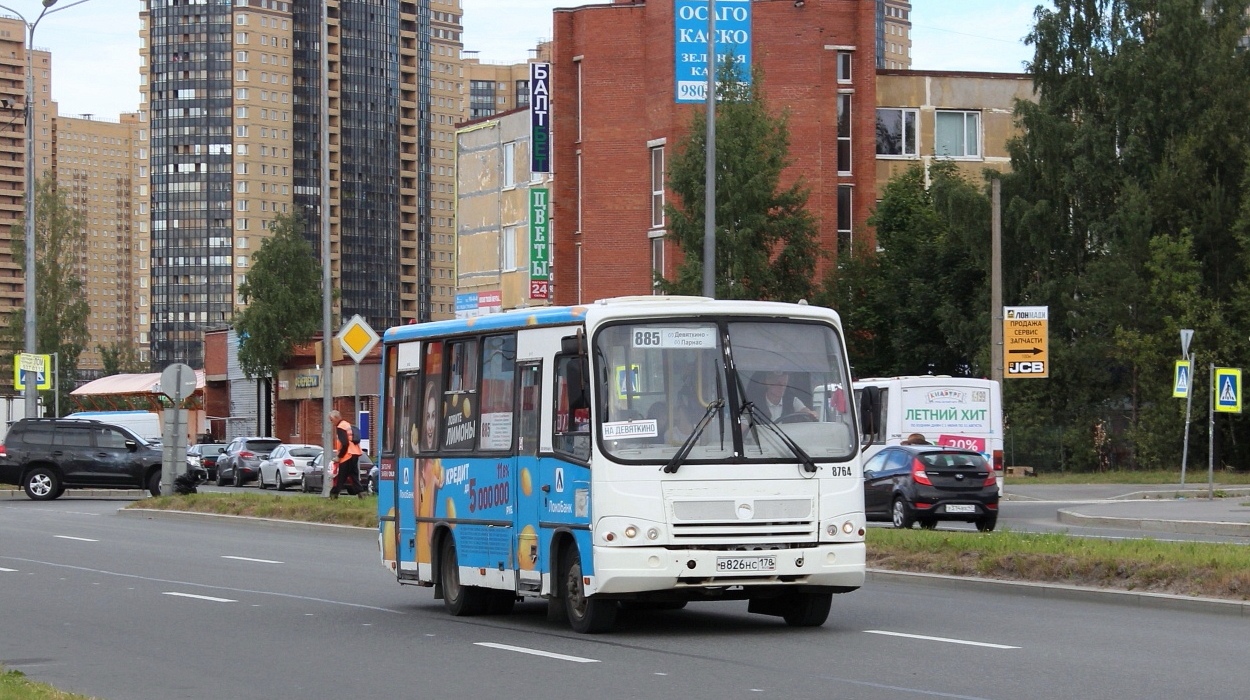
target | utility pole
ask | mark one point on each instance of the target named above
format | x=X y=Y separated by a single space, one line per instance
x=996 y=282
x=709 y=174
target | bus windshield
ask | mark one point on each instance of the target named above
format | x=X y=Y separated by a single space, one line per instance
x=764 y=386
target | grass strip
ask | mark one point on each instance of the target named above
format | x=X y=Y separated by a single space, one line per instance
x=14 y=685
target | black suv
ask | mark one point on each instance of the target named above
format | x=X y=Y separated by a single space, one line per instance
x=45 y=456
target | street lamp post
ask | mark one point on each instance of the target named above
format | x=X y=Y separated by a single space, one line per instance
x=30 y=390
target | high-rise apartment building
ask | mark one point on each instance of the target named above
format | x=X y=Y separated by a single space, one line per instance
x=95 y=166
x=447 y=108
x=232 y=98
x=13 y=151
x=893 y=34
x=498 y=88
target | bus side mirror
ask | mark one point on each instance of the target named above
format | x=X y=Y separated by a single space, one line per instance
x=574 y=344
x=869 y=412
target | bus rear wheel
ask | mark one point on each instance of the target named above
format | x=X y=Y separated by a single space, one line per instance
x=586 y=615
x=458 y=599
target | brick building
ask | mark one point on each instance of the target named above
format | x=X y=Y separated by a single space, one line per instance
x=615 y=116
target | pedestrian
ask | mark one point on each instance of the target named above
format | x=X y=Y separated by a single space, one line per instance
x=347 y=454
x=916 y=439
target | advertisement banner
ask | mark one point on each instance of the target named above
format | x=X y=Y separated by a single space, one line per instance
x=540 y=244
x=733 y=36
x=540 y=117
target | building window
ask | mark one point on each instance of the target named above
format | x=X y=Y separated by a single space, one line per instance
x=844 y=218
x=896 y=132
x=957 y=135
x=509 y=249
x=657 y=187
x=844 y=133
x=509 y=165
x=844 y=66
x=657 y=263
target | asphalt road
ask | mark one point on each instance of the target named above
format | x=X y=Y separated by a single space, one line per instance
x=129 y=607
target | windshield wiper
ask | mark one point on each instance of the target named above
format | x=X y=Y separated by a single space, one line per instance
x=675 y=463
x=762 y=418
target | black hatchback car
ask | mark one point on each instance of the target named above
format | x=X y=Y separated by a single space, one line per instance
x=906 y=484
x=240 y=463
x=45 y=456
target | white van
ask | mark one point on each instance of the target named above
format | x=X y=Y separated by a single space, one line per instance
x=145 y=424
x=950 y=411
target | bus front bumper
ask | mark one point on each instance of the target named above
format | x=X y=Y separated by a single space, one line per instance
x=626 y=570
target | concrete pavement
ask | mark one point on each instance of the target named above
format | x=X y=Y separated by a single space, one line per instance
x=1165 y=508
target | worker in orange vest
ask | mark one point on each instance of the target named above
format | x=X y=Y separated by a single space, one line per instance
x=347 y=454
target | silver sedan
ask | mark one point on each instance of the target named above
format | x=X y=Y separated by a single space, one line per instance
x=285 y=465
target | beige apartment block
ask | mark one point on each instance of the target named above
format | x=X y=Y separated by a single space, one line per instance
x=13 y=149
x=95 y=166
x=498 y=88
x=964 y=117
x=448 y=107
x=493 y=223
x=896 y=35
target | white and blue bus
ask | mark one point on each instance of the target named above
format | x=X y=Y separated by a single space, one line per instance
x=633 y=452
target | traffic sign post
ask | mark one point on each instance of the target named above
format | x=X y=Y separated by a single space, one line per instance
x=1025 y=346
x=178 y=382
x=358 y=338
x=1187 y=335
x=1225 y=398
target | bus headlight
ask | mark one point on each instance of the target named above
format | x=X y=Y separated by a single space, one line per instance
x=631 y=531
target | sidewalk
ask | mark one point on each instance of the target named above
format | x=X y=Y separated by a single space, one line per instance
x=1152 y=508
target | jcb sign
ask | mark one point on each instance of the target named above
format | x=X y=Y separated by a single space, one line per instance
x=1025 y=352
x=1026 y=368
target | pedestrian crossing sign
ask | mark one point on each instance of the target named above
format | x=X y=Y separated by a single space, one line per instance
x=1227 y=390
x=1180 y=379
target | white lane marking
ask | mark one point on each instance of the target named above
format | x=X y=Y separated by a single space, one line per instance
x=941 y=639
x=78 y=539
x=172 y=582
x=199 y=597
x=538 y=652
x=9 y=570
x=258 y=561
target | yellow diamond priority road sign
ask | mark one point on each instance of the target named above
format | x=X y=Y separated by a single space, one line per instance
x=357 y=338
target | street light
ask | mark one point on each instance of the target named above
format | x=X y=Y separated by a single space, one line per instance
x=29 y=390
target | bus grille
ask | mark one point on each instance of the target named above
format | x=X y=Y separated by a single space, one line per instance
x=733 y=523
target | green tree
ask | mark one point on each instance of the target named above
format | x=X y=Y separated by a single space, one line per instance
x=1123 y=213
x=921 y=304
x=765 y=239
x=283 y=297
x=60 y=303
x=120 y=357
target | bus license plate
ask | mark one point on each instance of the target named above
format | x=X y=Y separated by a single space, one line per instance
x=746 y=565
x=961 y=509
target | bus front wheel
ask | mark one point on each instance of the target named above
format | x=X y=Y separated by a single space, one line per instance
x=460 y=600
x=586 y=615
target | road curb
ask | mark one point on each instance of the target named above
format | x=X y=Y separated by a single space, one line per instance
x=1188 y=527
x=298 y=525
x=111 y=494
x=1056 y=591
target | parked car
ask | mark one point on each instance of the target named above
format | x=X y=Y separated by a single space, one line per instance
x=45 y=456
x=906 y=484
x=285 y=465
x=240 y=463
x=312 y=479
x=204 y=456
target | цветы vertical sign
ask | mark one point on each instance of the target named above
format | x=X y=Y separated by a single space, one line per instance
x=540 y=244
x=733 y=35
x=540 y=117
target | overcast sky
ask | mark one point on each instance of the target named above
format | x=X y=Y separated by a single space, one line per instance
x=95 y=45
